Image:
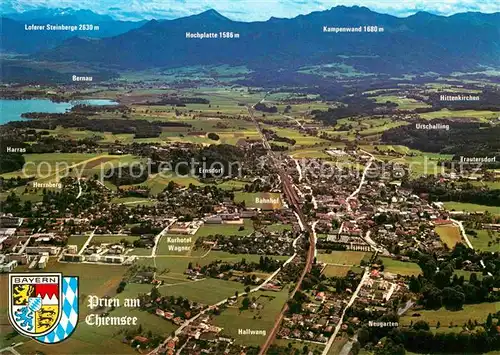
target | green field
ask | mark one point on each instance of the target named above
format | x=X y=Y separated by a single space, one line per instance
x=49 y=163
x=445 y=113
x=466 y=274
x=348 y=258
x=401 y=267
x=402 y=102
x=471 y=207
x=449 y=234
x=232 y=319
x=133 y=201
x=483 y=238
x=337 y=345
x=301 y=139
x=336 y=270
x=317 y=153
x=77 y=240
x=207 y=291
x=473 y=312
x=226 y=229
x=425 y=164
x=252 y=199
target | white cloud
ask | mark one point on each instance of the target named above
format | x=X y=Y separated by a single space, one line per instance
x=251 y=10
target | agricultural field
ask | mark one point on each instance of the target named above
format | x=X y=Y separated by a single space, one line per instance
x=380 y=128
x=449 y=234
x=301 y=139
x=492 y=185
x=133 y=201
x=483 y=116
x=467 y=274
x=336 y=270
x=348 y=258
x=485 y=240
x=473 y=312
x=226 y=229
x=233 y=318
x=401 y=267
x=77 y=240
x=403 y=103
x=196 y=291
x=337 y=345
x=471 y=207
x=259 y=200
x=309 y=153
x=425 y=164
x=47 y=164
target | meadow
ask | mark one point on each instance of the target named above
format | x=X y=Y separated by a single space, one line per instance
x=251 y=199
x=482 y=240
x=226 y=229
x=232 y=318
x=473 y=312
x=401 y=267
x=402 y=102
x=471 y=207
x=336 y=270
x=483 y=116
x=348 y=258
x=449 y=234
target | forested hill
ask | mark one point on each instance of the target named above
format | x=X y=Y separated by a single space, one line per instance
x=419 y=43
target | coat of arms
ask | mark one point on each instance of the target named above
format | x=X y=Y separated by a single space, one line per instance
x=43 y=306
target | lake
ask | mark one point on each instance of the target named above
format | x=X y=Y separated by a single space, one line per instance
x=11 y=110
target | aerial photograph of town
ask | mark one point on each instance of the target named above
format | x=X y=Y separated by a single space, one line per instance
x=249 y=177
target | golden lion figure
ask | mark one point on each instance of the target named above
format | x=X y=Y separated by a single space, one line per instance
x=22 y=293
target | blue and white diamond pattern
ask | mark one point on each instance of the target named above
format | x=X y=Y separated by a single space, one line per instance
x=69 y=317
x=34 y=304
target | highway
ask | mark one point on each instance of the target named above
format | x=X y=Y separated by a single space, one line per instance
x=294 y=202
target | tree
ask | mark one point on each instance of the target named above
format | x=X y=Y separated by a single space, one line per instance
x=363 y=336
x=489 y=321
x=155 y=293
x=414 y=284
x=213 y=136
x=245 y=303
x=421 y=325
x=171 y=186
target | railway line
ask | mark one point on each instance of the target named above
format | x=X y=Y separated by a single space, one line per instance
x=294 y=202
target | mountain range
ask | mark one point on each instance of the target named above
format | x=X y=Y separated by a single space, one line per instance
x=16 y=39
x=416 y=44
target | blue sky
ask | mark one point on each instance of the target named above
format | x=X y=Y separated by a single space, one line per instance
x=250 y=10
